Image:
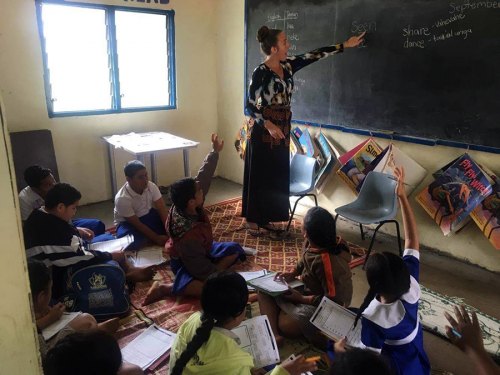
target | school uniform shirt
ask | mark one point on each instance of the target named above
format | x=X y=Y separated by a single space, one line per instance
x=129 y=203
x=219 y=355
x=29 y=201
x=327 y=274
x=57 y=243
x=394 y=329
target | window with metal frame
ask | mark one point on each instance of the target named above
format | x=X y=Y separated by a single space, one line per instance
x=101 y=59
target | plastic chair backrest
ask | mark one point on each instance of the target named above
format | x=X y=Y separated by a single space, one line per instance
x=302 y=170
x=378 y=190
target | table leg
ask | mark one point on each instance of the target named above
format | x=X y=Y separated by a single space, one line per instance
x=185 y=153
x=112 y=170
x=154 y=172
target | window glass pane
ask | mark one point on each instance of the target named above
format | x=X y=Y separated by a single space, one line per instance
x=142 y=59
x=76 y=47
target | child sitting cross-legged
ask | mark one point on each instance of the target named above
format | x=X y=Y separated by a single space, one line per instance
x=205 y=344
x=324 y=270
x=50 y=237
x=193 y=253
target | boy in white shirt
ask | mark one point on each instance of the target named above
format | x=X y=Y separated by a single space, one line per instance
x=139 y=208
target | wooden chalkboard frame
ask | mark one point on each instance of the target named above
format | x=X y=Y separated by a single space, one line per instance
x=345 y=129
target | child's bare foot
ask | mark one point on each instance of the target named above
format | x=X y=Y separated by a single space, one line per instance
x=109 y=326
x=156 y=292
x=135 y=274
x=280 y=340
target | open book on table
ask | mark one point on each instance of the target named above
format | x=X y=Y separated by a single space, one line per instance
x=336 y=322
x=267 y=284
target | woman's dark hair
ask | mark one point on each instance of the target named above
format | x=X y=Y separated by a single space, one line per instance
x=132 y=167
x=224 y=296
x=62 y=193
x=93 y=352
x=319 y=226
x=39 y=275
x=35 y=174
x=359 y=362
x=267 y=38
x=182 y=191
x=387 y=274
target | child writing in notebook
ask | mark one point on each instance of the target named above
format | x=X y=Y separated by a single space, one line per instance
x=324 y=269
x=193 y=253
x=45 y=315
x=389 y=312
x=205 y=344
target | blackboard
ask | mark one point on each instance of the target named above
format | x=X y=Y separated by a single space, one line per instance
x=430 y=68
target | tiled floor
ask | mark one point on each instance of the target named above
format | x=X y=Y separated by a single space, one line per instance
x=444 y=275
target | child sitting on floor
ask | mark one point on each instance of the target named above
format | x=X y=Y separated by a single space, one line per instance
x=45 y=315
x=91 y=352
x=40 y=180
x=205 y=344
x=193 y=253
x=324 y=269
x=49 y=237
x=389 y=312
x=139 y=208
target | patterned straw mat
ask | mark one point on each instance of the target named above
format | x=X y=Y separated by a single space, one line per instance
x=273 y=255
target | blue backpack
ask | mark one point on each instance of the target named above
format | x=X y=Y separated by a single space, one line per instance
x=99 y=290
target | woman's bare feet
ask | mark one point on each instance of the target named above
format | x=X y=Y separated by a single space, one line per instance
x=110 y=326
x=156 y=292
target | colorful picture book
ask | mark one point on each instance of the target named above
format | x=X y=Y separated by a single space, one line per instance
x=330 y=156
x=451 y=197
x=352 y=170
x=487 y=214
x=392 y=157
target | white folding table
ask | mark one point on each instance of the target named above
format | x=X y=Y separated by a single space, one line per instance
x=140 y=144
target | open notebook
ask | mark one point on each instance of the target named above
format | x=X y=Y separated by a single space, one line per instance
x=336 y=322
x=267 y=284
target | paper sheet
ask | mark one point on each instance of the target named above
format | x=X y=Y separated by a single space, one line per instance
x=148 y=346
x=337 y=322
x=149 y=257
x=256 y=337
x=55 y=327
x=113 y=245
x=252 y=275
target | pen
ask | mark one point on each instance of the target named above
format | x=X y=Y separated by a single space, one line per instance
x=456 y=333
x=313 y=359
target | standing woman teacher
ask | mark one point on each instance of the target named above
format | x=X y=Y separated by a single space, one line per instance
x=267 y=162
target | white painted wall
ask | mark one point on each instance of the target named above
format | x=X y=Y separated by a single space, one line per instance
x=469 y=244
x=81 y=154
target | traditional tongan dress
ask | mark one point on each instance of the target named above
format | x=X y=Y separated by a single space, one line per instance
x=266 y=184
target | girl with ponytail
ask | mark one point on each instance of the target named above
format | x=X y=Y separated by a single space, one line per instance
x=389 y=313
x=205 y=344
x=324 y=269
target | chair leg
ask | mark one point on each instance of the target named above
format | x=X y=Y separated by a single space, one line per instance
x=293 y=212
x=362 y=232
x=399 y=238
x=335 y=218
x=371 y=243
x=315 y=200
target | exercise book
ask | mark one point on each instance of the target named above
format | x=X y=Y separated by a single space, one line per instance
x=269 y=285
x=336 y=322
x=113 y=245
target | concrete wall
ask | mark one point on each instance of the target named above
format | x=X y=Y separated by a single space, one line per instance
x=18 y=350
x=469 y=244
